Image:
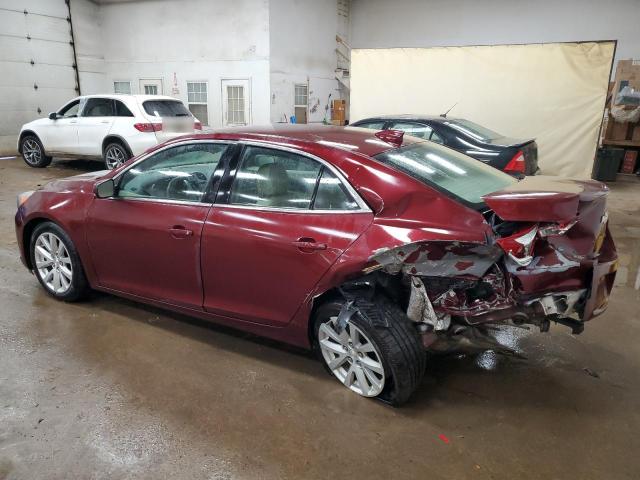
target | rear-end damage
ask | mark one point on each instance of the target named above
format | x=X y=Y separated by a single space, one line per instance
x=557 y=267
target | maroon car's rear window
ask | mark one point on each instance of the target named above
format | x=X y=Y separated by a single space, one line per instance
x=448 y=170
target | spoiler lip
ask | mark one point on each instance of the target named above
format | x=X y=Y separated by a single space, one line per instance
x=543 y=198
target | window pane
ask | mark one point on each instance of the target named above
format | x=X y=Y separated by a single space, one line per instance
x=178 y=173
x=301 y=95
x=274 y=178
x=150 y=89
x=70 y=110
x=414 y=129
x=448 y=170
x=197 y=92
x=473 y=129
x=122 y=110
x=436 y=138
x=165 y=108
x=122 y=87
x=98 y=107
x=372 y=126
x=200 y=112
x=332 y=194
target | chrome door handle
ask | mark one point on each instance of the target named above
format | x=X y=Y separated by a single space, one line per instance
x=178 y=231
x=309 y=245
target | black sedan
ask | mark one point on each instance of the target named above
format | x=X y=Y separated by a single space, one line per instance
x=517 y=157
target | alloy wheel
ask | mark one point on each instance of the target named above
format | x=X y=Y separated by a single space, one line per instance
x=31 y=151
x=115 y=156
x=53 y=263
x=352 y=358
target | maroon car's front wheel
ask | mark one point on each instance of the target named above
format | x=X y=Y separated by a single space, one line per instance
x=377 y=353
x=56 y=263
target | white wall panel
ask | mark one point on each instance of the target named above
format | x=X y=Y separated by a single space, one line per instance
x=553 y=92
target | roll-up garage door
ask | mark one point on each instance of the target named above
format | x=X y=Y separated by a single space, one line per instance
x=37 y=74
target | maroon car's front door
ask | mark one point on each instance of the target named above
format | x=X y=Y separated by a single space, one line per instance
x=264 y=251
x=146 y=240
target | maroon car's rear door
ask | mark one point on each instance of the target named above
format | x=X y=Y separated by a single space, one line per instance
x=146 y=240
x=277 y=233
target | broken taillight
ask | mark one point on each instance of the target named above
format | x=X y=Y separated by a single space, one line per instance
x=517 y=164
x=519 y=246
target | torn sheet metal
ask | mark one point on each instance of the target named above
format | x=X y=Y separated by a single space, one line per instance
x=436 y=258
x=420 y=309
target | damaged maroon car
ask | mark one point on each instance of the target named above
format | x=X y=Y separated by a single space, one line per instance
x=371 y=248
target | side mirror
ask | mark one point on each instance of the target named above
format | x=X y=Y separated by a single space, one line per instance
x=53 y=116
x=106 y=189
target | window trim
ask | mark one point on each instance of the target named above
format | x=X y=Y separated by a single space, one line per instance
x=117 y=178
x=206 y=104
x=362 y=205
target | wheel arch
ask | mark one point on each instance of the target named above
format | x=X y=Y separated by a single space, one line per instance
x=25 y=133
x=27 y=232
x=113 y=137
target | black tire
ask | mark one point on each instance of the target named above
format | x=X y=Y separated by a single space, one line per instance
x=115 y=150
x=79 y=286
x=403 y=356
x=33 y=152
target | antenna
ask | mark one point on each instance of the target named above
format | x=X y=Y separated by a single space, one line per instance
x=444 y=115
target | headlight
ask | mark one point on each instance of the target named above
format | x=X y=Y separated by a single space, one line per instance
x=23 y=197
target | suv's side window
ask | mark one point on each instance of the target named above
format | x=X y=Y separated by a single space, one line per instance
x=98 y=107
x=122 y=110
x=275 y=178
x=70 y=109
x=178 y=173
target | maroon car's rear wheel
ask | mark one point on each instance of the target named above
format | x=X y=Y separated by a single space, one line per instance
x=378 y=353
x=56 y=263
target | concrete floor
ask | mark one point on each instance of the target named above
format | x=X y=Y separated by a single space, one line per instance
x=112 y=389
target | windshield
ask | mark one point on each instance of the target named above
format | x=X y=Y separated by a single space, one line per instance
x=166 y=108
x=473 y=129
x=447 y=170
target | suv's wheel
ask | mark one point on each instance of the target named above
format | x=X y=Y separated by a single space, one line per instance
x=115 y=154
x=377 y=354
x=33 y=152
x=56 y=263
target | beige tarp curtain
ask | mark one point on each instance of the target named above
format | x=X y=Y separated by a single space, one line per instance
x=554 y=92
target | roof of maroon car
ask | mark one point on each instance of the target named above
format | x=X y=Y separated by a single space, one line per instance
x=360 y=140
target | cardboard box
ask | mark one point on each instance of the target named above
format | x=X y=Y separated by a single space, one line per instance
x=629 y=161
x=626 y=71
x=338 y=111
x=636 y=133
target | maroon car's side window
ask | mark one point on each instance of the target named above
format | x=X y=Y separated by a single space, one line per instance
x=178 y=173
x=275 y=178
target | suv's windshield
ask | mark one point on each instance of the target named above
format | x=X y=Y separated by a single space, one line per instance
x=166 y=108
x=473 y=129
x=447 y=170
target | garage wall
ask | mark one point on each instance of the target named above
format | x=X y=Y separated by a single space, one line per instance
x=87 y=32
x=552 y=92
x=302 y=36
x=190 y=40
x=36 y=63
x=430 y=23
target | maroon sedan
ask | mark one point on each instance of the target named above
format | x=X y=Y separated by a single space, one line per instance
x=372 y=248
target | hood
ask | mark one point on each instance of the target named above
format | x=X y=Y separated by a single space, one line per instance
x=84 y=181
x=543 y=199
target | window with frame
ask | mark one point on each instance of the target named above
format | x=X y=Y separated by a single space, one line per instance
x=178 y=173
x=301 y=102
x=70 y=110
x=197 y=101
x=281 y=179
x=123 y=88
x=235 y=105
x=98 y=107
x=275 y=178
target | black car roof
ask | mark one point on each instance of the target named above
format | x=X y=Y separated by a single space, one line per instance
x=410 y=117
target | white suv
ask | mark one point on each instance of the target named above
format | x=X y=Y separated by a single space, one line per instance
x=113 y=128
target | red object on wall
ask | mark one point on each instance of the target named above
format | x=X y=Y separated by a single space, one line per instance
x=629 y=162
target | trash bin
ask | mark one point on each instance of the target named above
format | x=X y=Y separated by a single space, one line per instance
x=607 y=164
